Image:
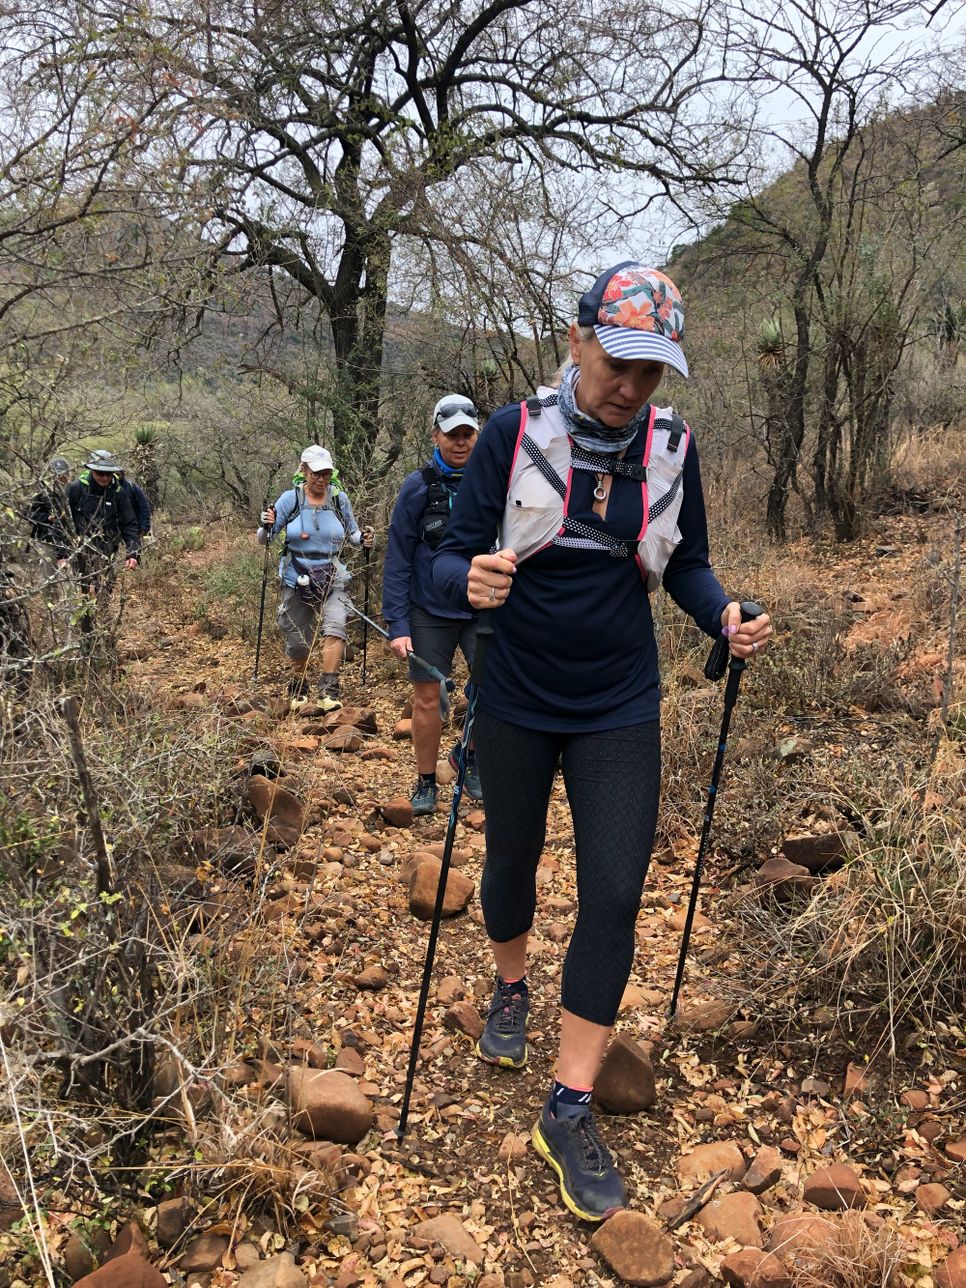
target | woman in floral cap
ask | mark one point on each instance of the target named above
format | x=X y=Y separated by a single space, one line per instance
x=591 y=496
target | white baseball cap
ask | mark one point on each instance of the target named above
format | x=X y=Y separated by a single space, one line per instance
x=316 y=458
x=453 y=410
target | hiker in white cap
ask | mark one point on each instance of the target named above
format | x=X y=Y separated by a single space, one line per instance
x=317 y=521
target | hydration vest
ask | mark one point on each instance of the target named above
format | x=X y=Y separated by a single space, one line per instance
x=439 y=502
x=538 y=495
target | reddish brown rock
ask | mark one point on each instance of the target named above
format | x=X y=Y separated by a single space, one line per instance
x=350 y=1061
x=779 y=879
x=450 y=989
x=377 y=753
x=276 y=1272
x=463 y=1017
x=932 y=1198
x=706 y=1160
x=476 y=819
x=818 y=852
x=328 y=1105
x=270 y=800
x=128 y=1271
x=204 y=1253
x=625 y=1083
x=834 y=1189
x=952 y=1272
x=171 y=1221
x=956 y=1149
x=398 y=812
x=344 y=740
x=451 y=1234
x=402 y=729
x=636 y=1249
x=799 y=1234
x=752 y=1268
x=233 y=849
x=764 y=1172
x=372 y=979
x=422 y=891
x=704 y=1017
x=361 y=718
x=733 y=1216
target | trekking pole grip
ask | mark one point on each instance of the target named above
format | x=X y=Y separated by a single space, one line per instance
x=718 y=658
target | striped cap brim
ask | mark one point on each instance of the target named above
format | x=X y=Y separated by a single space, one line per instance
x=630 y=344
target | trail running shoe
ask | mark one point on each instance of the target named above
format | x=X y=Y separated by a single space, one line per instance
x=590 y=1184
x=328 y=703
x=504 y=1039
x=423 y=799
x=471 y=782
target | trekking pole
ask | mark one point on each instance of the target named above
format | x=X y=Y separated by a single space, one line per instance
x=261 y=604
x=718 y=660
x=483 y=637
x=365 y=620
x=446 y=685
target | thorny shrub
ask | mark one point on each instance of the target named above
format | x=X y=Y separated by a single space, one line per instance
x=856 y=1253
x=113 y=971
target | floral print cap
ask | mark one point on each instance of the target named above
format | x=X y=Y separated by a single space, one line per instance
x=636 y=313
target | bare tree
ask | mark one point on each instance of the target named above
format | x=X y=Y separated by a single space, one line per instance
x=314 y=138
x=828 y=65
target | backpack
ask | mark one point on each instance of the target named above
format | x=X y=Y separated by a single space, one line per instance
x=439 y=502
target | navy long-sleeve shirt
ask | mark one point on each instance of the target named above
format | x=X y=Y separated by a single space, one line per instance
x=408 y=571
x=574 y=645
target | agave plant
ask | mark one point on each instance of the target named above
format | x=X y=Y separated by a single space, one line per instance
x=770 y=346
x=144 y=457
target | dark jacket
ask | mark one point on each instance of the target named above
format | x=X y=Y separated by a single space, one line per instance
x=139 y=504
x=50 y=520
x=408 y=572
x=103 y=517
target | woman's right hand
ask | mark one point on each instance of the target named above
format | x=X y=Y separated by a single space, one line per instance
x=490 y=578
x=268 y=517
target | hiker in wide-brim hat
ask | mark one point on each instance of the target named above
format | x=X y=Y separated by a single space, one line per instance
x=590 y=495
x=317 y=520
x=103 y=520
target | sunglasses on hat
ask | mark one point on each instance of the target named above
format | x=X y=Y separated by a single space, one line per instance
x=454 y=409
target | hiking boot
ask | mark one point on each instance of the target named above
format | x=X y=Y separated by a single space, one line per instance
x=590 y=1184
x=471 y=780
x=298 y=690
x=423 y=799
x=329 y=692
x=504 y=1039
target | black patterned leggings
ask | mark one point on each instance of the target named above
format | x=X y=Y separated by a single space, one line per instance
x=613 y=782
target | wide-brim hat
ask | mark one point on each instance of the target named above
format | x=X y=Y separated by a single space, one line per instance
x=636 y=313
x=103 y=463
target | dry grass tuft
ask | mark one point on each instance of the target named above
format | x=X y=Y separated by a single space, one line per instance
x=858 y=1253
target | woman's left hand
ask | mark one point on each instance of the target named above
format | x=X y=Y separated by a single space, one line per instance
x=368 y=538
x=745 y=639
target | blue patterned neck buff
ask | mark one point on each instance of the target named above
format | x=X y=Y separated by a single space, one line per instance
x=587 y=432
x=446 y=470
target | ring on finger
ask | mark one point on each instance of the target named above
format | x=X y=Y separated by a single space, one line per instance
x=492 y=592
x=754 y=646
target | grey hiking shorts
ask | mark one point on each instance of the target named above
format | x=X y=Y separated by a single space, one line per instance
x=299 y=622
x=436 y=639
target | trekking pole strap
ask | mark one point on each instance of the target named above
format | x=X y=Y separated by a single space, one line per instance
x=484 y=634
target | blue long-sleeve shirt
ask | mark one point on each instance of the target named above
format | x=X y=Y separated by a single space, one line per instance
x=314 y=534
x=574 y=645
x=408 y=571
